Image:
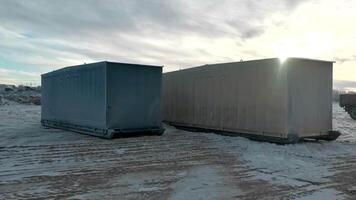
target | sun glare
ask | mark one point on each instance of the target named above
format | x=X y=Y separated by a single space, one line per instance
x=310 y=45
x=282 y=59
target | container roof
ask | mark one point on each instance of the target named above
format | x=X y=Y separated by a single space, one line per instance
x=263 y=59
x=95 y=63
x=309 y=59
x=143 y=65
x=257 y=60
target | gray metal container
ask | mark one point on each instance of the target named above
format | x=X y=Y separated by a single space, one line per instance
x=348 y=102
x=103 y=98
x=262 y=99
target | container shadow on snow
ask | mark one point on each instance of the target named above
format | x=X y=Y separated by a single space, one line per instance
x=134 y=135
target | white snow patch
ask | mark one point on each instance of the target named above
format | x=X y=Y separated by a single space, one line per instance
x=294 y=165
x=324 y=194
x=148 y=189
x=202 y=183
x=138 y=182
x=79 y=197
x=120 y=151
x=307 y=163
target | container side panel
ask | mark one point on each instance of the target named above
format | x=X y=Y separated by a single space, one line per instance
x=134 y=96
x=75 y=95
x=309 y=97
x=241 y=97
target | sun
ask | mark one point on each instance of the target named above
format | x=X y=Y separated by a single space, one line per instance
x=305 y=47
x=287 y=48
x=283 y=58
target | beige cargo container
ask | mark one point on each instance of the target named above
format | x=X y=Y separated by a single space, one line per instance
x=261 y=99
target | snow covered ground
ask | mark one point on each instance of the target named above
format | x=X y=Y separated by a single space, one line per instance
x=343 y=122
x=41 y=163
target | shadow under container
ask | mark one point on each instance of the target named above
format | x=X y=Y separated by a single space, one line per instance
x=103 y=99
x=269 y=99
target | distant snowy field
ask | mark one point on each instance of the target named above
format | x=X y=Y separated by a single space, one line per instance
x=44 y=163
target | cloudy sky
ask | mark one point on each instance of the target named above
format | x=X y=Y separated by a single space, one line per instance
x=42 y=35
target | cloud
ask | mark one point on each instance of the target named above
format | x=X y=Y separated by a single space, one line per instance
x=342 y=85
x=18 y=77
x=42 y=34
x=69 y=18
x=341 y=60
x=39 y=36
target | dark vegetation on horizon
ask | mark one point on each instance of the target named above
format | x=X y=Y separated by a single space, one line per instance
x=336 y=94
x=20 y=94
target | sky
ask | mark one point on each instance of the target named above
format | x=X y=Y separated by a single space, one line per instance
x=41 y=35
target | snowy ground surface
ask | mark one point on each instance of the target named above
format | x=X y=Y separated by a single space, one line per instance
x=39 y=163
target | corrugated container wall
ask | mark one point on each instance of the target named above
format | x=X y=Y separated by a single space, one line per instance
x=103 y=98
x=264 y=99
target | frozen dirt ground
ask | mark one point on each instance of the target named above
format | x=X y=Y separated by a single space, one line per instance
x=39 y=163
